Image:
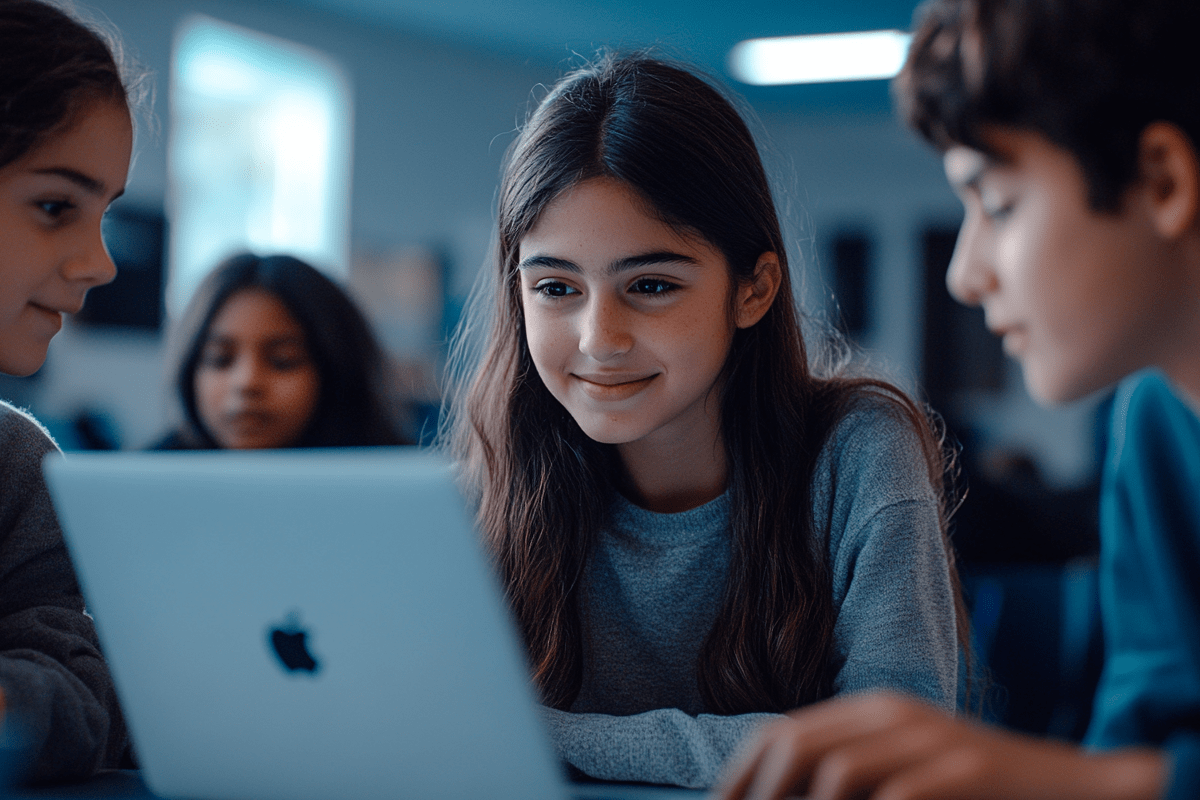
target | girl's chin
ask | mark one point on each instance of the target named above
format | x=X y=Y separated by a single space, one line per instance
x=27 y=359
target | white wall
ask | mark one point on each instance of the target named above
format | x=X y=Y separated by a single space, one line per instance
x=432 y=120
x=431 y=124
x=869 y=172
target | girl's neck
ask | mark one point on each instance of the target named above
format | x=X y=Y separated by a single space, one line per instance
x=676 y=475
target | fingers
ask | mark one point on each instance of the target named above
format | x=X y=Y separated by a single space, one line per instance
x=786 y=754
x=743 y=771
x=961 y=772
x=892 y=748
x=783 y=767
x=854 y=768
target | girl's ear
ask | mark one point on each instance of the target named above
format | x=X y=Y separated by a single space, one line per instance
x=756 y=296
x=1170 y=177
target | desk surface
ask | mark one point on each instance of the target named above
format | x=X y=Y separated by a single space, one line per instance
x=128 y=785
x=123 y=784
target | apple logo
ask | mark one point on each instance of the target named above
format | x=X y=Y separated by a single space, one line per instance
x=288 y=641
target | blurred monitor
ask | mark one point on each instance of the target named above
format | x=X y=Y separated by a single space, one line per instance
x=135 y=240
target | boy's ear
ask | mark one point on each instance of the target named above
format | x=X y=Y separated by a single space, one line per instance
x=1169 y=172
x=756 y=296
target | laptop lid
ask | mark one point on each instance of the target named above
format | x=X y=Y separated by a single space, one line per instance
x=302 y=625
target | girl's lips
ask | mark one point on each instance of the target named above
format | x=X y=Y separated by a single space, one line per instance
x=247 y=420
x=49 y=314
x=612 y=388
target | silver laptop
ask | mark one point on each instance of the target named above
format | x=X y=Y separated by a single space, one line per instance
x=303 y=626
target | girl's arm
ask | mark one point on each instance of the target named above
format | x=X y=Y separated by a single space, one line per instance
x=662 y=746
x=896 y=624
x=55 y=682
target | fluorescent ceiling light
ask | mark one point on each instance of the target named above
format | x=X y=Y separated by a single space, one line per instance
x=869 y=55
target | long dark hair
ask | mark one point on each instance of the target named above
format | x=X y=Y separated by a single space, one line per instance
x=53 y=66
x=544 y=487
x=354 y=408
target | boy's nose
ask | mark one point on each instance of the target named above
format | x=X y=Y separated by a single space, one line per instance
x=970 y=277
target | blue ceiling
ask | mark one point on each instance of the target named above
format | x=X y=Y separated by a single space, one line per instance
x=551 y=31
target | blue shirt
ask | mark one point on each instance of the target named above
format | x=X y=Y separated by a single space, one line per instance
x=1150 y=580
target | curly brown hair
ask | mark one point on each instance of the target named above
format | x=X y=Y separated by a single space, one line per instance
x=1090 y=75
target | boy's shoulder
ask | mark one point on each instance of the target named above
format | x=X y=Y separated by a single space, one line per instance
x=1151 y=418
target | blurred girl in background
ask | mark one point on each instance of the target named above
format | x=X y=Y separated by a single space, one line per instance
x=270 y=353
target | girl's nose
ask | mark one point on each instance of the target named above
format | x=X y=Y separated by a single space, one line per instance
x=604 y=333
x=971 y=276
x=248 y=374
x=92 y=265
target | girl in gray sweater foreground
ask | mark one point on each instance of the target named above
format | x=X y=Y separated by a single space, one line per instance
x=695 y=531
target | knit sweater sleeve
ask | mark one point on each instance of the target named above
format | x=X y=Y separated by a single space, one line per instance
x=56 y=685
x=895 y=625
x=896 y=622
x=663 y=746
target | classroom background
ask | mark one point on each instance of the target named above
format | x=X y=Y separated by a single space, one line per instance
x=366 y=137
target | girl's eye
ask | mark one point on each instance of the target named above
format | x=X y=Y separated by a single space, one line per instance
x=554 y=289
x=55 y=209
x=216 y=359
x=652 y=286
x=287 y=362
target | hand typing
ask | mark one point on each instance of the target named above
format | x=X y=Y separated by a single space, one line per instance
x=887 y=747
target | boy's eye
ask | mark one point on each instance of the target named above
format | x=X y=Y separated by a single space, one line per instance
x=554 y=289
x=652 y=286
x=997 y=211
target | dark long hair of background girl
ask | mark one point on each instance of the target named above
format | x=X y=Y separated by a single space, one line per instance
x=354 y=408
x=544 y=487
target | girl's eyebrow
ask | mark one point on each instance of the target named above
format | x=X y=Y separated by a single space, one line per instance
x=285 y=340
x=224 y=339
x=85 y=182
x=614 y=268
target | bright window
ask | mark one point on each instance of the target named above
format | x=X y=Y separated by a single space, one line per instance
x=259 y=153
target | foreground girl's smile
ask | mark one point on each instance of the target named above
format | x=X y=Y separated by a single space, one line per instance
x=612 y=387
x=628 y=321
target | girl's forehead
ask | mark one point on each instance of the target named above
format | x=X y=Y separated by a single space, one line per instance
x=604 y=215
x=93 y=148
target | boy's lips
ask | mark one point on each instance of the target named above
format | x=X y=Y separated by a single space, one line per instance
x=1014 y=338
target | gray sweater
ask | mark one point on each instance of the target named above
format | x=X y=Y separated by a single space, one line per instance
x=654 y=584
x=56 y=685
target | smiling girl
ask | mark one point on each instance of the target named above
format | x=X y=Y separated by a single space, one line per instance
x=694 y=530
x=65 y=141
